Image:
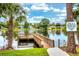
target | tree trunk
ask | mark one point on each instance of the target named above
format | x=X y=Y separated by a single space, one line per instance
x=78 y=32
x=71 y=47
x=10 y=33
x=78 y=37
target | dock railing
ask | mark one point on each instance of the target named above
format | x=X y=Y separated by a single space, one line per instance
x=43 y=41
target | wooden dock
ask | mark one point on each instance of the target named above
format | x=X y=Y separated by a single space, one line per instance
x=41 y=40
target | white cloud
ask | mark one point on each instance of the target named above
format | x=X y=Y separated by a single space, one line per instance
x=61 y=18
x=56 y=20
x=38 y=17
x=26 y=8
x=41 y=6
x=62 y=12
x=58 y=10
x=45 y=8
x=55 y=9
x=27 y=17
x=35 y=19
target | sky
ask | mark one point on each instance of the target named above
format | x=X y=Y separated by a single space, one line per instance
x=55 y=12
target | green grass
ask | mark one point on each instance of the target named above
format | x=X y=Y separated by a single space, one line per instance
x=77 y=54
x=27 y=52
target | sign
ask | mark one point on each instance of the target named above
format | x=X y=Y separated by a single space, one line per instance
x=71 y=26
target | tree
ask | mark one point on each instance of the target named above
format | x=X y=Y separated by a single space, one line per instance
x=10 y=11
x=3 y=27
x=26 y=28
x=19 y=23
x=71 y=47
x=58 y=27
x=43 y=26
x=15 y=29
x=64 y=29
x=21 y=18
x=76 y=14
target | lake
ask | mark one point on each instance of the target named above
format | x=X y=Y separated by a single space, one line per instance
x=63 y=38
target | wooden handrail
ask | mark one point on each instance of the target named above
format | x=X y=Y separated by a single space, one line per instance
x=46 y=40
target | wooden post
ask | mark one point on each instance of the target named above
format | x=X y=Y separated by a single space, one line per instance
x=53 y=43
x=59 y=43
x=64 y=43
x=71 y=47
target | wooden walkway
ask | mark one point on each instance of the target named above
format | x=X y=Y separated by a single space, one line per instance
x=56 y=52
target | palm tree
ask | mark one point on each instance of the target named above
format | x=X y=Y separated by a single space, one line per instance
x=71 y=41
x=76 y=14
x=21 y=18
x=10 y=11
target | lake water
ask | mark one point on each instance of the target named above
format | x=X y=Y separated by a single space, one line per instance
x=63 y=38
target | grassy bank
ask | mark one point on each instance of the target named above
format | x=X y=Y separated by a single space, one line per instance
x=77 y=54
x=27 y=52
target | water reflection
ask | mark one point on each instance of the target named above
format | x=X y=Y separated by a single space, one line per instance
x=55 y=37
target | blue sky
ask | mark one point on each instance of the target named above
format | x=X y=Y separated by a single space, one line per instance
x=55 y=12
